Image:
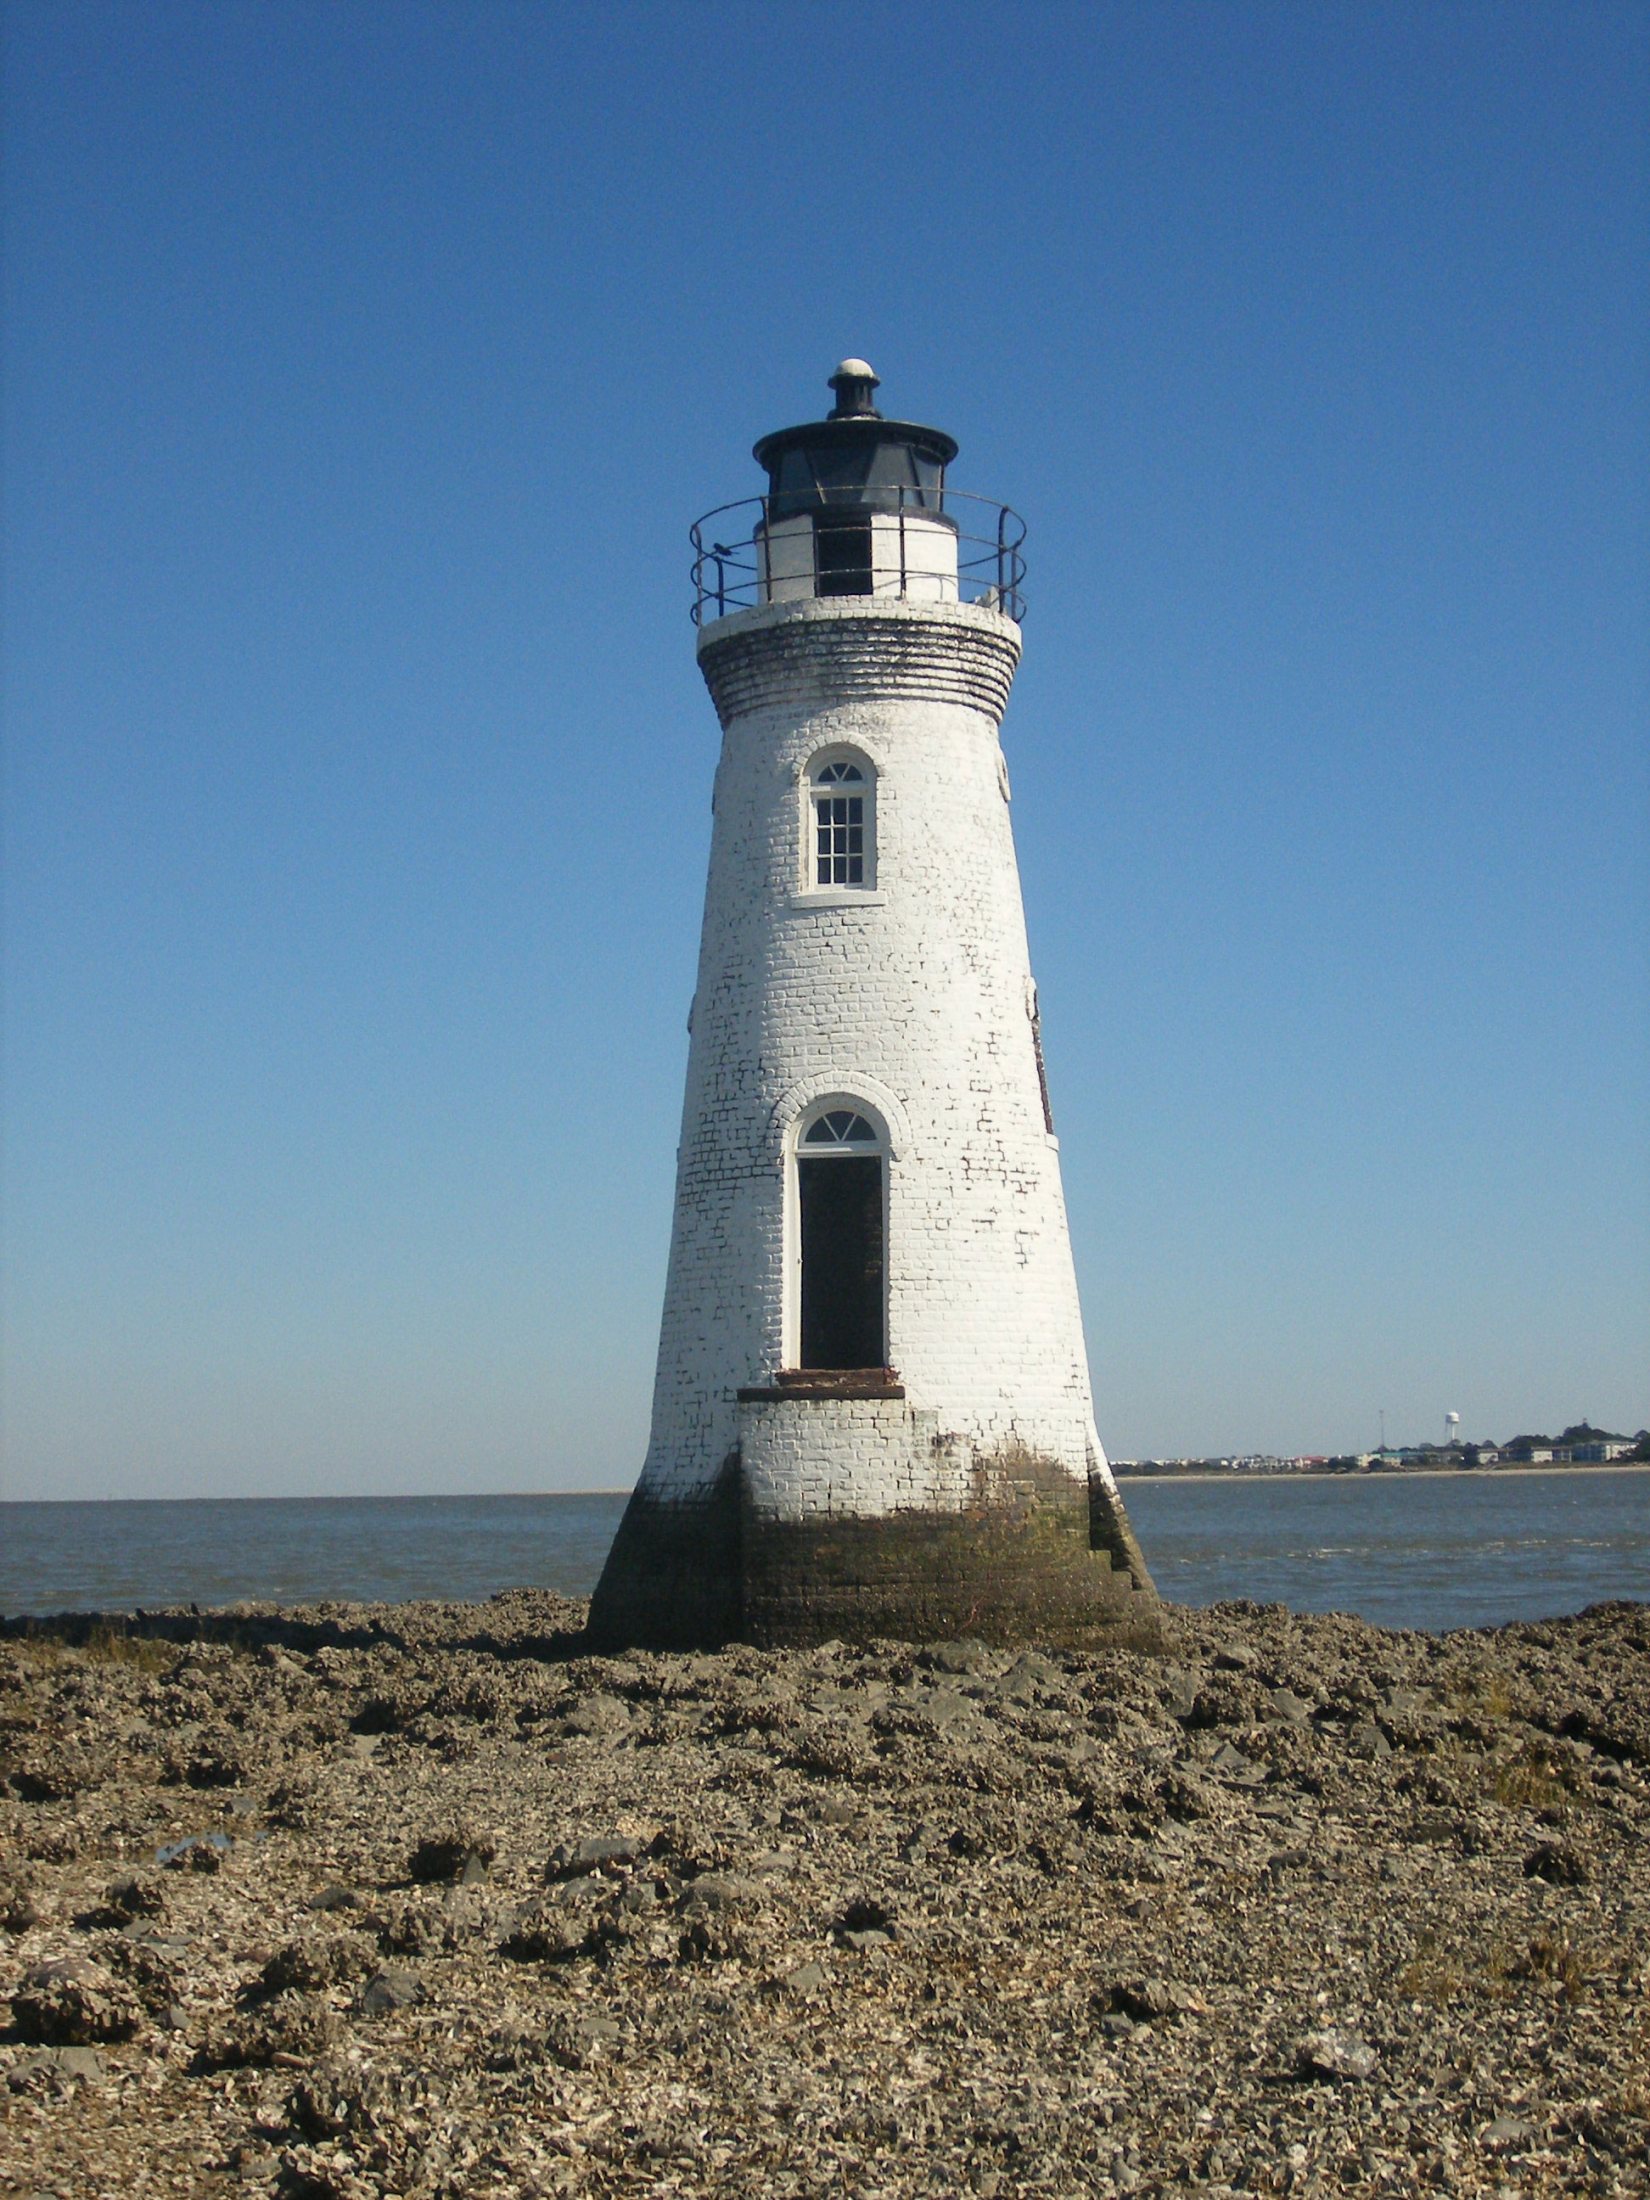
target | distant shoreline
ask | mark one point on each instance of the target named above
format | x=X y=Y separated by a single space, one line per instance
x=1378 y=1474
x=623 y=1489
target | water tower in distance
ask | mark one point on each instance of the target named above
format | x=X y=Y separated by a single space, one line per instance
x=1452 y=1426
x=872 y=1413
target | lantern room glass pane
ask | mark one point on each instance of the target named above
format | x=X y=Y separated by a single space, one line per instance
x=886 y=474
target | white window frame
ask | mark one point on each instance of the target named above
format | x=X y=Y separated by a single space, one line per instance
x=811 y=795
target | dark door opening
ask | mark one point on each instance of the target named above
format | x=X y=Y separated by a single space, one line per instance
x=842 y=557
x=840 y=1198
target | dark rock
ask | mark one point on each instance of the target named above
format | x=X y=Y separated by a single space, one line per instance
x=1179 y=1690
x=1560 y=1863
x=59 y=2064
x=1365 y=1739
x=605 y=1853
x=1030 y=1676
x=450 y=1855
x=719 y=1891
x=1148 y=1999
x=134 y=1897
x=81 y=2062
x=151 y=1963
x=387 y=1991
x=1232 y=1764
x=324 y=2103
x=71 y=2002
x=1186 y=1796
x=865 y=1917
x=296 y=2027
x=412 y=1928
x=549 y=1932
x=1287 y=1708
x=257 y=2164
x=1434 y=1827
x=313 y=1964
x=575 y=2042
x=19 y=1909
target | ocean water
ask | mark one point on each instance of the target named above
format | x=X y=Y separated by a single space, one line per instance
x=1430 y=1551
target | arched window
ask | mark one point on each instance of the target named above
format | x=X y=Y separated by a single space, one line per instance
x=841 y=1159
x=841 y=848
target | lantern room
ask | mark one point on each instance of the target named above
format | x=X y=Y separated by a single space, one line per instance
x=857 y=506
x=855 y=503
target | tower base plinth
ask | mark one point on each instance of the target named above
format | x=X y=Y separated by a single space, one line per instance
x=1001 y=1576
x=1023 y=1554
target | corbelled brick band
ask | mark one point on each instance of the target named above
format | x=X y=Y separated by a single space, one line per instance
x=962 y=1488
x=830 y=649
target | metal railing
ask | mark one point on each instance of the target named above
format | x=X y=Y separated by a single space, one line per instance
x=730 y=572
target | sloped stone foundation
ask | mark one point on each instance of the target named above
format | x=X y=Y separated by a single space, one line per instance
x=1021 y=1553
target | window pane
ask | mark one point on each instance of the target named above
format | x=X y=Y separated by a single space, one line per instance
x=841 y=845
x=840 y=1127
x=842 y=556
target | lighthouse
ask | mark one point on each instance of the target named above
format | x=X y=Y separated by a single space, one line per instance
x=872 y=1412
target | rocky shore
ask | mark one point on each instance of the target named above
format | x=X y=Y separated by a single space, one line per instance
x=349 y=1901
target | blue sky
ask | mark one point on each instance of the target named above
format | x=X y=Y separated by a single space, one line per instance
x=366 y=365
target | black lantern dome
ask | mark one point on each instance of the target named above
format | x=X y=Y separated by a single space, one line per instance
x=854 y=460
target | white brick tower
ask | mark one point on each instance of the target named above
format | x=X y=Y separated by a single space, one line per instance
x=872 y=1410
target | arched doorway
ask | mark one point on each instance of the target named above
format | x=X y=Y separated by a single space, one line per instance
x=841 y=1206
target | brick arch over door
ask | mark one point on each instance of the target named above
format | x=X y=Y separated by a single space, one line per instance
x=797 y=1099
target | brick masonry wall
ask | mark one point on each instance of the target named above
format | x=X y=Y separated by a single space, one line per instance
x=915 y=998
x=863 y=1456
